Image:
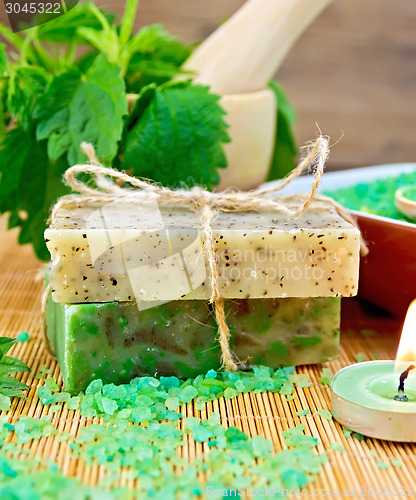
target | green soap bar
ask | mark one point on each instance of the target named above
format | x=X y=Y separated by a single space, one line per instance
x=116 y=342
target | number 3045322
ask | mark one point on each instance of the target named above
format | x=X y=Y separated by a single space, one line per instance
x=34 y=8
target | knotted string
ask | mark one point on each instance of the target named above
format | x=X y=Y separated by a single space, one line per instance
x=205 y=203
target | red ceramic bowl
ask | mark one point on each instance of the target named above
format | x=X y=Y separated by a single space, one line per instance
x=388 y=273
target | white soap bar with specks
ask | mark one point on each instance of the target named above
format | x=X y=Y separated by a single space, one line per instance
x=125 y=252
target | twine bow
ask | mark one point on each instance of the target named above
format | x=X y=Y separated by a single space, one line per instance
x=204 y=202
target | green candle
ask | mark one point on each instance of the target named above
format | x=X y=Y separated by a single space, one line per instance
x=362 y=399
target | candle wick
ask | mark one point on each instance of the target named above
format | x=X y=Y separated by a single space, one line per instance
x=404 y=376
x=401 y=396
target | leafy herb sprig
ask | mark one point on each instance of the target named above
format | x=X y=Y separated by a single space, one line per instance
x=67 y=81
x=9 y=386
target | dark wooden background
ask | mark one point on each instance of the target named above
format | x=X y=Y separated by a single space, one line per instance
x=353 y=72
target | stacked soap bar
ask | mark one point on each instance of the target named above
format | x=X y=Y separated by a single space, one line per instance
x=130 y=288
x=116 y=342
x=121 y=253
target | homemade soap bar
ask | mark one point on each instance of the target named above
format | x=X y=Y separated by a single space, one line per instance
x=116 y=342
x=149 y=254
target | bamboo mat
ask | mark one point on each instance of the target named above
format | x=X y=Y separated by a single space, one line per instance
x=265 y=414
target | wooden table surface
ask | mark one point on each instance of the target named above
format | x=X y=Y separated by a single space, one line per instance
x=353 y=72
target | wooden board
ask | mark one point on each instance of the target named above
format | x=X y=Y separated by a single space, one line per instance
x=265 y=414
x=352 y=72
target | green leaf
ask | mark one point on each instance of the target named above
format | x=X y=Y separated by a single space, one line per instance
x=285 y=150
x=10 y=365
x=175 y=135
x=12 y=162
x=10 y=384
x=105 y=41
x=127 y=22
x=11 y=393
x=53 y=113
x=85 y=62
x=4 y=82
x=29 y=184
x=6 y=343
x=64 y=28
x=153 y=56
x=79 y=108
x=25 y=87
x=3 y=60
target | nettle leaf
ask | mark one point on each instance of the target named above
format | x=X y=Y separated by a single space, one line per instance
x=10 y=393
x=104 y=40
x=26 y=85
x=64 y=28
x=175 y=135
x=9 y=386
x=10 y=365
x=14 y=155
x=155 y=57
x=44 y=183
x=27 y=193
x=285 y=149
x=83 y=107
x=53 y=113
x=3 y=60
x=6 y=343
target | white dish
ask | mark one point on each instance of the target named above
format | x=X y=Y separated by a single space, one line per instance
x=404 y=204
x=349 y=177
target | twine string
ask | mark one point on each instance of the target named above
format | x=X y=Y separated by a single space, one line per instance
x=109 y=182
x=227 y=357
x=43 y=308
x=226 y=201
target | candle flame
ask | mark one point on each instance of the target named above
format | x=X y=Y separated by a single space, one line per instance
x=407 y=346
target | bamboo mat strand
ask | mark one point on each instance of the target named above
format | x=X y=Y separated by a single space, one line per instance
x=267 y=414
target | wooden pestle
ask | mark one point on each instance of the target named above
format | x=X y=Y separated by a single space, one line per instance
x=237 y=61
x=245 y=52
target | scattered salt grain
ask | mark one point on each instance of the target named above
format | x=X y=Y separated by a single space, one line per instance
x=336 y=447
x=327 y=415
x=360 y=357
x=327 y=376
x=22 y=337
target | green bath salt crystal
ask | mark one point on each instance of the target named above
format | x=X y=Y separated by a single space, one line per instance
x=23 y=337
x=377 y=197
x=327 y=415
x=302 y=413
x=116 y=342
